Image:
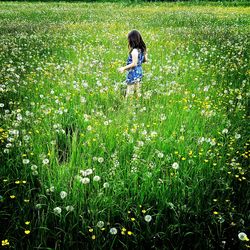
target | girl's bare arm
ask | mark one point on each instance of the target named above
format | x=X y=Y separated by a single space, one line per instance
x=134 y=61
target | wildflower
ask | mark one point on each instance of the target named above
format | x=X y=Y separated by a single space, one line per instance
x=69 y=208
x=148 y=218
x=87 y=172
x=215 y=212
x=34 y=172
x=12 y=196
x=100 y=160
x=237 y=136
x=38 y=206
x=105 y=184
x=91 y=230
x=5 y=243
x=33 y=167
x=225 y=131
x=85 y=180
x=57 y=210
x=242 y=236
x=93 y=237
x=45 y=161
x=113 y=230
x=132 y=219
x=26 y=161
x=175 y=165
x=100 y=224
x=27 y=231
x=96 y=178
x=27 y=222
x=160 y=155
x=63 y=194
x=130 y=233
x=144 y=211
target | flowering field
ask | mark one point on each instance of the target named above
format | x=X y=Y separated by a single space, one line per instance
x=83 y=168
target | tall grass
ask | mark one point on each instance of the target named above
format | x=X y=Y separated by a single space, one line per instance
x=83 y=168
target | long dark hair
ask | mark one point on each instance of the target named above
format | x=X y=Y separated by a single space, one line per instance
x=135 y=41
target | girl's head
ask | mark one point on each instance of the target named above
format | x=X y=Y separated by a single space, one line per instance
x=135 y=41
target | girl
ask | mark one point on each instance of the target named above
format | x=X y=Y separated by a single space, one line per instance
x=137 y=56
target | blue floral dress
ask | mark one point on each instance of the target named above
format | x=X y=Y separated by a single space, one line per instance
x=135 y=74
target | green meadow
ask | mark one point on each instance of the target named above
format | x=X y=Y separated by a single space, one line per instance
x=84 y=168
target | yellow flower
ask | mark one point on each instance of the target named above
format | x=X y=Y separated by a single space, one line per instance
x=27 y=222
x=27 y=231
x=24 y=182
x=130 y=233
x=12 y=196
x=215 y=212
x=93 y=237
x=25 y=200
x=91 y=230
x=144 y=211
x=17 y=182
x=5 y=243
x=133 y=219
x=124 y=229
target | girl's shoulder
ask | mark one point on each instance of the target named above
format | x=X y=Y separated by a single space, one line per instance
x=135 y=51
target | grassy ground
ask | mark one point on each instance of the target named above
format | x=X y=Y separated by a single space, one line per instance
x=82 y=168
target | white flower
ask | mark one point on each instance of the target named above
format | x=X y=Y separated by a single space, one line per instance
x=52 y=189
x=38 y=206
x=242 y=236
x=63 y=194
x=237 y=136
x=113 y=230
x=45 y=161
x=57 y=210
x=26 y=161
x=85 y=180
x=89 y=128
x=1 y=105
x=160 y=155
x=225 y=131
x=35 y=172
x=148 y=218
x=100 y=224
x=96 y=178
x=69 y=208
x=100 y=159
x=175 y=165
x=87 y=172
x=106 y=185
x=33 y=167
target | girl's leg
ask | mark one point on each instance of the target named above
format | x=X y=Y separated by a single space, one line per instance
x=138 y=89
x=130 y=90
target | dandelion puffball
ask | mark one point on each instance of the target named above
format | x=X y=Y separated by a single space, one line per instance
x=148 y=218
x=113 y=230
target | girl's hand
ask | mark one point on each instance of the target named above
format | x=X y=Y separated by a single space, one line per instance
x=121 y=69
